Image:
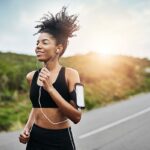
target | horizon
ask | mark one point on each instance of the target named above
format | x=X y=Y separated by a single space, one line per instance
x=102 y=55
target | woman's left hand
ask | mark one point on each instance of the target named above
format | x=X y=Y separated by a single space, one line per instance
x=44 y=76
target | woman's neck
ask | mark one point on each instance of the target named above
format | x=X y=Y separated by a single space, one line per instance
x=52 y=65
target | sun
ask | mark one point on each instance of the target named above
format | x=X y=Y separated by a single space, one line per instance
x=108 y=43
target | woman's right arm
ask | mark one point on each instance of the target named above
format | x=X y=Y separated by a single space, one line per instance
x=24 y=136
x=30 y=121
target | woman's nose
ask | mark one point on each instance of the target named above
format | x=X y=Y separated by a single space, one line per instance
x=38 y=46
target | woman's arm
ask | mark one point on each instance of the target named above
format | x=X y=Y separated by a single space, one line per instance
x=24 y=136
x=30 y=121
x=68 y=109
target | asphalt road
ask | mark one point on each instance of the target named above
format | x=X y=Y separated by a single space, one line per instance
x=120 y=126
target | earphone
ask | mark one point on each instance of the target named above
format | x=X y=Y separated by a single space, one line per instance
x=57 y=50
x=40 y=89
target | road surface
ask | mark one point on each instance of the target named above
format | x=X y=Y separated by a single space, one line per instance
x=120 y=126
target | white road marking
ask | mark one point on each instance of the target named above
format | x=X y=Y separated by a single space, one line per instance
x=114 y=123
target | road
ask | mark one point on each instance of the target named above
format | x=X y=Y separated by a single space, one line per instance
x=120 y=126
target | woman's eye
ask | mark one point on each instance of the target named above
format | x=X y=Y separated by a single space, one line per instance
x=45 y=43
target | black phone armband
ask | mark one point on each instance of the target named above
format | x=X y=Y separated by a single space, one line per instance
x=77 y=95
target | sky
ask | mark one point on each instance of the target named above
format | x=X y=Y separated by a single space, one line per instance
x=106 y=26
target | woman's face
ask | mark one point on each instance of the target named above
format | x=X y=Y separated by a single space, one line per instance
x=46 y=47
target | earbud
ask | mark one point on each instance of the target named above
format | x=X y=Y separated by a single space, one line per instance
x=57 y=50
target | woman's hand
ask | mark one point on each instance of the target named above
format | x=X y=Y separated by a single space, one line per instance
x=24 y=136
x=44 y=77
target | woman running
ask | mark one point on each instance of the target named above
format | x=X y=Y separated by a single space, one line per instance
x=52 y=88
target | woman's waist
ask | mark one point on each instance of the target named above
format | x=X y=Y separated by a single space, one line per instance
x=49 y=118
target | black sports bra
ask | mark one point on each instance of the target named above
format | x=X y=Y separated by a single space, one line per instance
x=46 y=100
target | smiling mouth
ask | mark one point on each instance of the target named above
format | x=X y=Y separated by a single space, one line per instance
x=39 y=53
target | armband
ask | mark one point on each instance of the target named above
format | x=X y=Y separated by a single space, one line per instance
x=77 y=95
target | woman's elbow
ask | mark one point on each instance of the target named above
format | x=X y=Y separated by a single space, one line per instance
x=77 y=118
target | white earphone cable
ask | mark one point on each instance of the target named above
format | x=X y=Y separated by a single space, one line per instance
x=40 y=89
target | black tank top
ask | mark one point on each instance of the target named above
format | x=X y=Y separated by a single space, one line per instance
x=46 y=100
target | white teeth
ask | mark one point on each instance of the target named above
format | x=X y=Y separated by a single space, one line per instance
x=39 y=53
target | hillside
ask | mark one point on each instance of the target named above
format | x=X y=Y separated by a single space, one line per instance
x=107 y=79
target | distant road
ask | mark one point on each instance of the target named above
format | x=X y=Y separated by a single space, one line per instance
x=121 y=126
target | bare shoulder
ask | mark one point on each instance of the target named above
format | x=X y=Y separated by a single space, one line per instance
x=71 y=72
x=30 y=75
x=72 y=76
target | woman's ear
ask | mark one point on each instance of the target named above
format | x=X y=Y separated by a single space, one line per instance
x=59 y=48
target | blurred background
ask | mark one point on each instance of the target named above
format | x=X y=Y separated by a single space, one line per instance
x=111 y=51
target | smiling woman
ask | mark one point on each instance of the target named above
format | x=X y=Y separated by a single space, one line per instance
x=52 y=88
x=48 y=43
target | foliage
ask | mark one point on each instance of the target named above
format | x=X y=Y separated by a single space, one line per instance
x=106 y=80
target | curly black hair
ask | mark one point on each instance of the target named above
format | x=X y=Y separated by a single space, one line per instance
x=61 y=26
